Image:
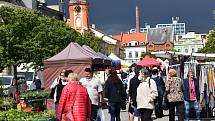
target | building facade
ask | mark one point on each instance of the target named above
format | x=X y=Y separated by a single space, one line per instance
x=179 y=28
x=133 y=44
x=160 y=39
x=39 y=5
x=79 y=20
x=190 y=43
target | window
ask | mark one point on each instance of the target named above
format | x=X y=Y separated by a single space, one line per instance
x=199 y=49
x=193 y=50
x=141 y=43
x=124 y=44
x=136 y=54
x=136 y=43
x=130 y=55
x=129 y=44
x=186 y=50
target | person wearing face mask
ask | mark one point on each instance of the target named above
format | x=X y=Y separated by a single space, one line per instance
x=191 y=95
x=161 y=88
x=94 y=89
x=146 y=94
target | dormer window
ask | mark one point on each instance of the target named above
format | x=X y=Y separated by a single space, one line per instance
x=136 y=43
x=141 y=43
x=129 y=44
x=124 y=44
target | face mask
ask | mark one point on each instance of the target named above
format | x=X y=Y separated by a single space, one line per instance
x=140 y=77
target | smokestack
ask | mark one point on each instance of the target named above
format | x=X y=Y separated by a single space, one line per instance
x=137 y=20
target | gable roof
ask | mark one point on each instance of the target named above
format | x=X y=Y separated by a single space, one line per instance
x=126 y=38
x=71 y=52
x=160 y=35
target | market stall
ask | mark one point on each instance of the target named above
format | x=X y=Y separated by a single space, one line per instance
x=73 y=57
x=148 y=61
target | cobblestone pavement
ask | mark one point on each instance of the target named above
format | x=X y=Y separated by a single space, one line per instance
x=124 y=116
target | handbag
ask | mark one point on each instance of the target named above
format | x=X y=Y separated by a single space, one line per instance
x=69 y=115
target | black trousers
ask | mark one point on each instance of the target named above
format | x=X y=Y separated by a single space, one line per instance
x=94 y=111
x=146 y=114
x=159 y=107
x=180 y=110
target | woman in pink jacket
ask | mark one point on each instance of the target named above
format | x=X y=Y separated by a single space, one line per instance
x=74 y=104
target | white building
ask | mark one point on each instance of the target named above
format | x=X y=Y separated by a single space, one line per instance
x=179 y=28
x=133 y=53
x=190 y=43
x=133 y=44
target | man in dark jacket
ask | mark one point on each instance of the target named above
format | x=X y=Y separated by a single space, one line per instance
x=57 y=87
x=134 y=83
x=161 y=88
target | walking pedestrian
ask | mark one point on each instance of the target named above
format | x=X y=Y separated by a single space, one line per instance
x=74 y=104
x=116 y=95
x=134 y=83
x=146 y=94
x=174 y=90
x=191 y=95
x=94 y=89
x=161 y=88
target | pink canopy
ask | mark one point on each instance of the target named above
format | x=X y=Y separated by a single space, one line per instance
x=147 y=61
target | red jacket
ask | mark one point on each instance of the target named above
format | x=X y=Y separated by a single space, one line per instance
x=82 y=105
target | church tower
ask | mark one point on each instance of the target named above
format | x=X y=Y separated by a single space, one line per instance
x=78 y=12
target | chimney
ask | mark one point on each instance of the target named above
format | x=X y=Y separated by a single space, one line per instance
x=137 y=20
x=93 y=26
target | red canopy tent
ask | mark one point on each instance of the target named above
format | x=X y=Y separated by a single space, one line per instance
x=147 y=61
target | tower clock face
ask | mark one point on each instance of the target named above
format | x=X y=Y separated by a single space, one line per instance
x=77 y=9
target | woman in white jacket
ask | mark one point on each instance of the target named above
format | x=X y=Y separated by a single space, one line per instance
x=146 y=93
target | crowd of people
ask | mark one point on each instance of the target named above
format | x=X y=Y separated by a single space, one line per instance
x=143 y=88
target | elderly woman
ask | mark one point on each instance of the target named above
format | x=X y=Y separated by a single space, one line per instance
x=174 y=89
x=146 y=94
x=191 y=95
x=74 y=104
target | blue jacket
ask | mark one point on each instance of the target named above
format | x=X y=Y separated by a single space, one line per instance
x=160 y=85
x=187 y=89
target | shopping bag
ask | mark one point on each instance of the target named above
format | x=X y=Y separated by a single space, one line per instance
x=100 y=115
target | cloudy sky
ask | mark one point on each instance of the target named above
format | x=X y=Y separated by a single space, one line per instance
x=115 y=16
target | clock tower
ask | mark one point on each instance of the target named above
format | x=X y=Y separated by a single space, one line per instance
x=78 y=12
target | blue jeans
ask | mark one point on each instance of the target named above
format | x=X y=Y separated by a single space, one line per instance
x=187 y=109
x=114 y=110
x=56 y=109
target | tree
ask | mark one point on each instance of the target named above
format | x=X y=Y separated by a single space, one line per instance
x=28 y=36
x=210 y=44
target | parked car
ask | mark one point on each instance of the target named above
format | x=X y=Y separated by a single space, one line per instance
x=9 y=86
x=7 y=82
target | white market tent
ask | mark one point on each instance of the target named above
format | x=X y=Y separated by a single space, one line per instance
x=124 y=64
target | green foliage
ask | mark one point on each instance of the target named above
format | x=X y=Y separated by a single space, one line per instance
x=20 y=115
x=7 y=103
x=27 y=36
x=1 y=90
x=210 y=44
x=147 y=53
x=34 y=94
